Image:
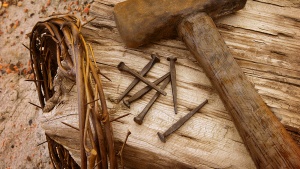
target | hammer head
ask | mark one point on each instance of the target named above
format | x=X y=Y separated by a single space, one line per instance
x=142 y=21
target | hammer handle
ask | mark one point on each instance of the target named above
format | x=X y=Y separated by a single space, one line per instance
x=268 y=142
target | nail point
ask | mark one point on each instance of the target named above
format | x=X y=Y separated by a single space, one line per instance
x=126 y=103
x=161 y=137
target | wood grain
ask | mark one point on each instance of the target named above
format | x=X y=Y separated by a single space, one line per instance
x=263 y=38
x=260 y=130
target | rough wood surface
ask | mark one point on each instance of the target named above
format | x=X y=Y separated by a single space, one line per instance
x=263 y=38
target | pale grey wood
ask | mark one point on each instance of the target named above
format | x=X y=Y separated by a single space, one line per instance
x=264 y=39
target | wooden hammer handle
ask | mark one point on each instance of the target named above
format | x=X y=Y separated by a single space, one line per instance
x=268 y=142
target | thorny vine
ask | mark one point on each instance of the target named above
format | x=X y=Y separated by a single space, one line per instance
x=58 y=50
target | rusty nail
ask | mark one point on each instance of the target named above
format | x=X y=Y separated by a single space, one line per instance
x=144 y=91
x=123 y=67
x=143 y=72
x=179 y=123
x=173 y=81
x=139 y=119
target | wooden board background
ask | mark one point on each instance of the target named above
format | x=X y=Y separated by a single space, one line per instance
x=264 y=38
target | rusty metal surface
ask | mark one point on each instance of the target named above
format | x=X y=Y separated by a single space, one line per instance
x=141 y=21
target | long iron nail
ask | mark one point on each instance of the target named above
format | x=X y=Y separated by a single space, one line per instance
x=173 y=81
x=139 y=119
x=123 y=67
x=143 y=72
x=179 y=123
x=144 y=91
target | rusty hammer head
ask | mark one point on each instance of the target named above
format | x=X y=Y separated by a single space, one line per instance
x=142 y=21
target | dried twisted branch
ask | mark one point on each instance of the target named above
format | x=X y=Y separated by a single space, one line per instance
x=59 y=156
x=58 y=50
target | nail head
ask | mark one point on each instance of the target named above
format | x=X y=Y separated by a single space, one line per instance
x=137 y=120
x=126 y=103
x=121 y=65
x=171 y=58
x=156 y=58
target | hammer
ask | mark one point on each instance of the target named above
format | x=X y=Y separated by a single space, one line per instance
x=142 y=21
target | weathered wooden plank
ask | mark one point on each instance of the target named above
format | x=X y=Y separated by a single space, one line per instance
x=264 y=39
x=265 y=43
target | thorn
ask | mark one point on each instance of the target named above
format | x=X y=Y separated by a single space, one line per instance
x=34 y=80
x=88 y=21
x=76 y=128
x=121 y=151
x=97 y=164
x=71 y=87
x=61 y=102
x=26 y=47
x=29 y=34
x=92 y=101
x=62 y=39
x=35 y=105
x=105 y=76
x=122 y=148
x=119 y=117
x=59 y=117
x=53 y=38
x=41 y=143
